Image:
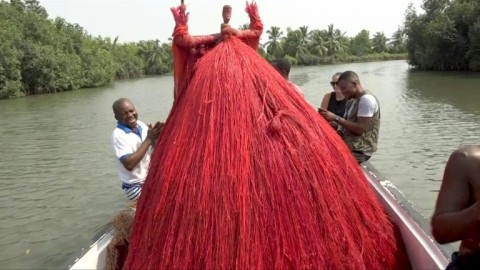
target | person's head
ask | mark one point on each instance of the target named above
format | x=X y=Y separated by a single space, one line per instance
x=125 y=112
x=334 y=82
x=349 y=84
x=282 y=66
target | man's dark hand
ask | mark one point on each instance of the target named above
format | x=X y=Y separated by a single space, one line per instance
x=329 y=116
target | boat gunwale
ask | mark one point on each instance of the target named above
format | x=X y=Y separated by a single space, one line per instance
x=420 y=219
x=103 y=232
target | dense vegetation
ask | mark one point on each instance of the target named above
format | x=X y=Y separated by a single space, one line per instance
x=42 y=55
x=446 y=36
x=304 y=47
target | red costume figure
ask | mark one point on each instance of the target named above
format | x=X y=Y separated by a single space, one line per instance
x=247 y=175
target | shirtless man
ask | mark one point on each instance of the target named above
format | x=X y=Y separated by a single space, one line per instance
x=457 y=212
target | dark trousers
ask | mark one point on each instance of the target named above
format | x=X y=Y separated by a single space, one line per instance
x=464 y=262
x=360 y=156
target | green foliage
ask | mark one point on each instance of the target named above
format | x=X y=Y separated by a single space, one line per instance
x=244 y=26
x=41 y=55
x=10 y=55
x=361 y=44
x=330 y=45
x=154 y=56
x=397 y=42
x=291 y=60
x=379 y=43
x=273 y=46
x=473 y=54
x=98 y=64
x=445 y=37
x=128 y=62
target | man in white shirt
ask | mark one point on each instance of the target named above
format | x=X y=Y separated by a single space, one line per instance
x=360 y=125
x=131 y=141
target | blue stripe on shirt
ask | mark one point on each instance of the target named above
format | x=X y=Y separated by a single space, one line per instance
x=122 y=158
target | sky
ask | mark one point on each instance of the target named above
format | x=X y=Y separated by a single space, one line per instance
x=135 y=20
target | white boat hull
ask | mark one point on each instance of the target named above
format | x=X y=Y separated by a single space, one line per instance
x=95 y=257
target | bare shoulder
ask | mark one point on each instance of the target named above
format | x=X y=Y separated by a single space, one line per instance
x=467 y=153
x=326 y=98
x=464 y=166
x=469 y=150
x=325 y=101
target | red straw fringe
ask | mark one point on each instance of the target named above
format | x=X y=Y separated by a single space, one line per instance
x=247 y=175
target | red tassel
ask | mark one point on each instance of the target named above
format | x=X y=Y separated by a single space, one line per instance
x=247 y=175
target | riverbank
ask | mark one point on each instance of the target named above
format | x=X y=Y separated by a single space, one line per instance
x=326 y=61
x=345 y=59
x=377 y=57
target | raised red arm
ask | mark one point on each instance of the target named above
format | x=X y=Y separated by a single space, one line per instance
x=184 y=48
x=252 y=36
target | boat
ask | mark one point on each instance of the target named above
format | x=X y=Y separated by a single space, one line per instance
x=422 y=250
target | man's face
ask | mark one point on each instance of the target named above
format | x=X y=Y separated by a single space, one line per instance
x=347 y=87
x=127 y=115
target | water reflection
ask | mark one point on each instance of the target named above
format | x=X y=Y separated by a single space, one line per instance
x=433 y=114
x=461 y=90
x=300 y=78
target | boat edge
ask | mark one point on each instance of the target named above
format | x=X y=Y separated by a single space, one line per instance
x=420 y=219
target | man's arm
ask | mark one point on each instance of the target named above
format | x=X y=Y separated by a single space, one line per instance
x=453 y=219
x=367 y=107
x=130 y=161
x=357 y=128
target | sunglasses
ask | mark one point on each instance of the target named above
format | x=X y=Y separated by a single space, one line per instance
x=333 y=83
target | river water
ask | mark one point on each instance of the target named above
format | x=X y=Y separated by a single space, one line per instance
x=58 y=179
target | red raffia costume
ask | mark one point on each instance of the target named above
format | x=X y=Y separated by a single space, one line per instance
x=247 y=175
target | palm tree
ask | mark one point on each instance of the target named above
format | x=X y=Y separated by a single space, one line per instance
x=335 y=41
x=317 y=43
x=115 y=41
x=273 y=46
x=397 y=42
x=154 y=56
x=379 y=42
x=296 y=43
x=361 y=44
x=304 y=33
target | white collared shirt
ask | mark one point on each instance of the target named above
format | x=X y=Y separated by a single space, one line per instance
x=125 y=142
